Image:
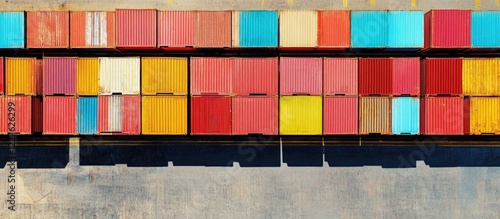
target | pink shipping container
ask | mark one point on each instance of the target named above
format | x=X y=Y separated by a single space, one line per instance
x=119 y=115
x=59 y=76
x=37 y=114
x=176 y=29
x=255 y=76
x=255 y=115
x=211 y=115
x=406 y=76
x=301 y=76
x=340 y=76
x=442 y=116
x=212 y=29
x=340 y=115
x=136 y=28
x=447 y=29
x=211 y=76
x=59 y=115
x=47 y=29
x=20 y=107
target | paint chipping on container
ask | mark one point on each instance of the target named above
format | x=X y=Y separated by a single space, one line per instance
x=47 y=29
x=484 y=115
x=92 y=29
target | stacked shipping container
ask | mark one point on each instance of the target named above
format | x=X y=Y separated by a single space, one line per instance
x=406 y=92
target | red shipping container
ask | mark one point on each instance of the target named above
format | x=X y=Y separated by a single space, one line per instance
x=92 y=29
x=211 y=76
x=176 y=29
x=47 y=29
x=467 y=115
x=255 y=115
x=212 y=29
x=211 y=115
x=447 y=29
x=20 y=119
x=59 y=76
x=340 y=116
x=375 y=76
x=441 y=76
x=37 y=114
x=334 y=29
x=59 y=115
x=442 y=116
x=255 y=76
x=136 y=28
x=2 y=74
x=340 y=76
x=119 y=115
x=406 y=76
x=301 y=76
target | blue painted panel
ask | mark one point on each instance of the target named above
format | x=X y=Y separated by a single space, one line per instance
x=485 y=29
x=405 y=115
x=369 y=29
x=258 y=28
x=11 y=30
x=406 y=29
x=87 y=115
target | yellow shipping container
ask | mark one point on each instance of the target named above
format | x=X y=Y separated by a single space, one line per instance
x=20 y=76
x=481 y=77
x=164 y=76
x=87 y=73
x=301 y=115
x=484 y=115
x=164 y=115
x=298 y=28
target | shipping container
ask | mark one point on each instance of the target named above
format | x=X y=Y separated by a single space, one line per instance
x=36 y=114
x=255 y=115
x=59 y=75
x=87 y=115
x=485 y=32
x=375 y=76
x=87 y=76
x=16 y=114
x=375 y=115
x=12 y=28
x=212 y=29
x=47 y=29
x=481 y=76
x=176 y=29
x=162 y=75
x=406 y=76
x=484 y=115
x=442 y=116
x=298 y=29
x=441 y=76
x=301 y=76
x=255 y=76
x=211 y=76
x=405 y=115
x=369 y=29
x=164 y=115
x=255 y=28
x=445 y=28
x=340 y=76
x=59 y=115
x=211 y=115
x=136 y=28
x=301 y=115
x=92 y=29
x=119 y=115
x=334 y=29
x=340 y=115
x=2 y=75
x=119 y=75
x=406 y=29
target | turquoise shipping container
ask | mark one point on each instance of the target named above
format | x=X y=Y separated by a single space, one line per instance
x=11 y=30
x=485 y=29
x=369 y=29
x=255 y=29
x=87 y=115
x=405 y=115
x=406 y=29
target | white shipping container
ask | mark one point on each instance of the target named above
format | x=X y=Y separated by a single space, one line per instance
x=119 y=75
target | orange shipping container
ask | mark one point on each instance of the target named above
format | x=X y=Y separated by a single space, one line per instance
x=212 y=29
x=334 y=29
x=48 y=29
x=92 y=29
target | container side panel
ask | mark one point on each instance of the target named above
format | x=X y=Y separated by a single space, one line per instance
x=87 y=115
x=406 y=29
x=48 y=29
x=20 y=76
x=340 y=116
x=255 y=76
x=298 y=28
x=176 y=28
x=484 y=115
x=485 y=31
x=136 y=28
x=164 y=75
x=340 y=76
x=212 y=29
x=59 y=115
x=369 y=29
x=443 y=76
x=334 y=29
x=301 y=76
x=406 y=76
x=59 y=76
x=164 y=115
x=87 y=71
x=301 y=115
x=211 y=115
x=450 y=28
x=405 y=115
x=12 y=29
x=375 y=115
x=258 y=29
x=443 y=115
x=375 y=76
x=119 y=75
x=255 y=115
x=131 y=115
x=481 y=77
x=211 y=75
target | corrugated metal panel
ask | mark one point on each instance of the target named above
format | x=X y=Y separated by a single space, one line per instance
x=119 y=75
x=119 y=114
x=115 y=113
x=340 y=76
x=405 y=115
x=59 y=115
x=466 y=116
x=369 y=29
x=484 y=115
x=36 y=114
x=164 y=75
x=87 y=115
x=298 y=28
x=449 y=28
x=442 y=76
x=20 y=119
x=340 y=116
x=59 y=76
x=255 y=76
x=485 y=32
x=406 y=76
x=255 y=28
x=255 y=115
x=211 y=75
x=12 y=29
x=481 y=77
x=131 y=115
x=334 y=29
x=48 y=29
x=374 y=115
x=136 y=28
x=164 y=115
x=406 y=29
x=39 y=76
x=375 y=76
x=92 y=29
x=20 y=76
x=2 y=75
x=442 y=116
x=301 y=76
x=301 y=115
x=211 y=115
x=176 y=28
x=87 y=73
x=212 y=29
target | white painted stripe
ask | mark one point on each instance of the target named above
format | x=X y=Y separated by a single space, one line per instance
x=103 y=34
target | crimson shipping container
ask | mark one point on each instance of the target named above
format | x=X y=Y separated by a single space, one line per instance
x=340 y=76
x=47 y=29
x=255 y=76
x=59 y=115
x=211 y=76
x=212 y=29
x=447 y=29
x=176 y=29
x=119 y=115
x=136 y=28
x=340 y=116
x=20 y=119
x=375 y=76
x=334 y=29
x=442 y=116
x=255 y=115
x=37 y=114
x=441 y=76
x=301 y=76
x=59 y=76
x=211 y=115
x=406 y=76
